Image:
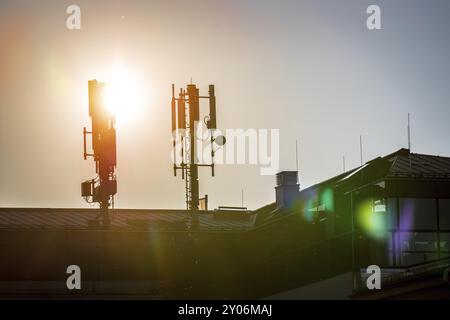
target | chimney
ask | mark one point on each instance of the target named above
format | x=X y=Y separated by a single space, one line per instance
x=287 y=188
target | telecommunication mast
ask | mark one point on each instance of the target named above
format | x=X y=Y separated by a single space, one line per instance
x=185 y=118
x=102 y=188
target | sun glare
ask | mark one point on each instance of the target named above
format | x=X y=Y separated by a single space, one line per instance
x=124 y=95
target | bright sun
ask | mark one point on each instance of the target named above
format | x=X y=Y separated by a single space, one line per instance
x=124 y=94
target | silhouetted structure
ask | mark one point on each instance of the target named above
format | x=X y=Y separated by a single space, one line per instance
x=103 y=188
x=393 y=211
x=287 y=188
x=316 y=245
x=185 y=120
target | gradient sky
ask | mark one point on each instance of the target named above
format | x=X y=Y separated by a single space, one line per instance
x=310 y=68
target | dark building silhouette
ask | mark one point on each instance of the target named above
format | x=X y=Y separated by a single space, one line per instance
x=393 y=211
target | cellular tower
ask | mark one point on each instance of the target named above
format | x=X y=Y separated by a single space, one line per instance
x=185 y=118
x=103 y=187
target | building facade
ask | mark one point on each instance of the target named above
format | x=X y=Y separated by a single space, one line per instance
x=393 y=211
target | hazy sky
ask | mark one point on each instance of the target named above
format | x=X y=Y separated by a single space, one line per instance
x=310 y=68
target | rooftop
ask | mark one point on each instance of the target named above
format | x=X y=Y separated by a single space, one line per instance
x=398 y=165
x=405 y=164
x=123 y=219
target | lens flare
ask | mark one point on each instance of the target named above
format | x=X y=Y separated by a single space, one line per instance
x=371 y=218
x=326 y=198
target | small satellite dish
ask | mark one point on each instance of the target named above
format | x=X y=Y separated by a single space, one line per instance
x=220 y=140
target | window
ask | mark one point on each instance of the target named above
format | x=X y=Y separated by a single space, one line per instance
x=417 y=241
x=408 y=259
x=392 y=213
x=415 y=247
x=444 y=214
x=418 y=214
x=445 y=241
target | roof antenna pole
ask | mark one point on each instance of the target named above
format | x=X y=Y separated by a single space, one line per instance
x=409 y=142
x=409 y=135
x=343 y=162
x=242 y=197
x=361 y=149
x=296 y=154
